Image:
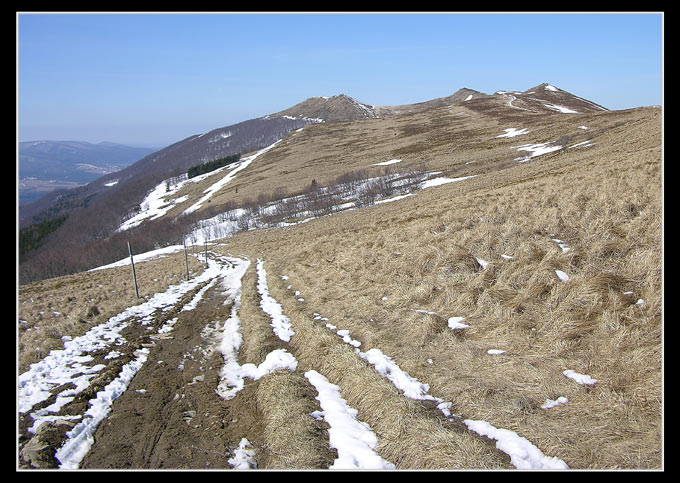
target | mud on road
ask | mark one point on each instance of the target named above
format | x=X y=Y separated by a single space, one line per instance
x=171 y=416
x=184 y=408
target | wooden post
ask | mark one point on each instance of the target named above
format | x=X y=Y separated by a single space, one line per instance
x=186 y=258
x=134 y=275
x=206 y=253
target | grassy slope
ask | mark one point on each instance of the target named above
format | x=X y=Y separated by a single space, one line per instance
x=603 y=201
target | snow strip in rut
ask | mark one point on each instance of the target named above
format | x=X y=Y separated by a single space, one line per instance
x=523 y=454
x=354 y=440
x=280 y=322
x=232 y=375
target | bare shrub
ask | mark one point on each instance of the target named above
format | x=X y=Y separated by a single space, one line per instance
x=243 y=223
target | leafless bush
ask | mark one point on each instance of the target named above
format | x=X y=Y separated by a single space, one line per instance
x=243 y=223
x=227 y=213
x=369 y=193
x=286 y=207
x=350 y=181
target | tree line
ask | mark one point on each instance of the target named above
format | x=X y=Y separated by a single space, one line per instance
x=32 y=236
x=212 y=165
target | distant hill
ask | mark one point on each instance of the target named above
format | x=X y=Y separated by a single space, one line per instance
x=331 y=109
x=45 y=166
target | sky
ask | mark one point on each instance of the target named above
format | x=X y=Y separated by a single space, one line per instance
x=152 y=79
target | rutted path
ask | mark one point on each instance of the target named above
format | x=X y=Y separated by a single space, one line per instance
x=144 y=390
x=216 y=374
x=65 y=398
x=170 y=416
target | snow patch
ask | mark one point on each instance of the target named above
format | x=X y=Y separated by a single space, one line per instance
x=579 y=378
x=441 y=180
x=353 y=439
x=523 y=454
x=455 y=323
x=387 y=163
x=549 y=403
x=536 y=150
x=562 y=109
x=511 y=132
x=244 y=456
x=561 y=275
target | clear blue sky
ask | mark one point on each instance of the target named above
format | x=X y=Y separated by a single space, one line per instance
x=158 y=78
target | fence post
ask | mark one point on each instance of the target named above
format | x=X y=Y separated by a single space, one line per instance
x=206 y=253
x=134 y=275
x=186 y=258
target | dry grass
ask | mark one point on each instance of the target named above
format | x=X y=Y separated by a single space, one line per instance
x=421 y=253
x=410 y=434
x=370 y=270
x=294 y=440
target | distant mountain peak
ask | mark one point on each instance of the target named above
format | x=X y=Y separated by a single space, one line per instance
x=544 y=86
x=547 y=97
x=340 y=107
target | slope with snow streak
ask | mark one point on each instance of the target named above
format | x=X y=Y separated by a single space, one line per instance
x=523 y=454
x=222 y=182
x=160 y=200
x=354 y=440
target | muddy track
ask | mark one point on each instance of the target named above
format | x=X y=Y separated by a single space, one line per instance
x=170 y=416
x=173 y=414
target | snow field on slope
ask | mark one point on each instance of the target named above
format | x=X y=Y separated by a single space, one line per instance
x=539 y=149
x=159 y=200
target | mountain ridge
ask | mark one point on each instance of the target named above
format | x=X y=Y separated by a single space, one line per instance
x=343 y=107
x=104 y=203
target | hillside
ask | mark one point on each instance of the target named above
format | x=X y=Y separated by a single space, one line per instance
x=472 y=285
x=97 y=210
x=461 y=135
x=133 y=181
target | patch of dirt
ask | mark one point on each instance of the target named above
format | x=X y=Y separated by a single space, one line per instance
x=170 y=416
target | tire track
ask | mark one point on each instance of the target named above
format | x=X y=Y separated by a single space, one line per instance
x=64 y=398
x=409 y=431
